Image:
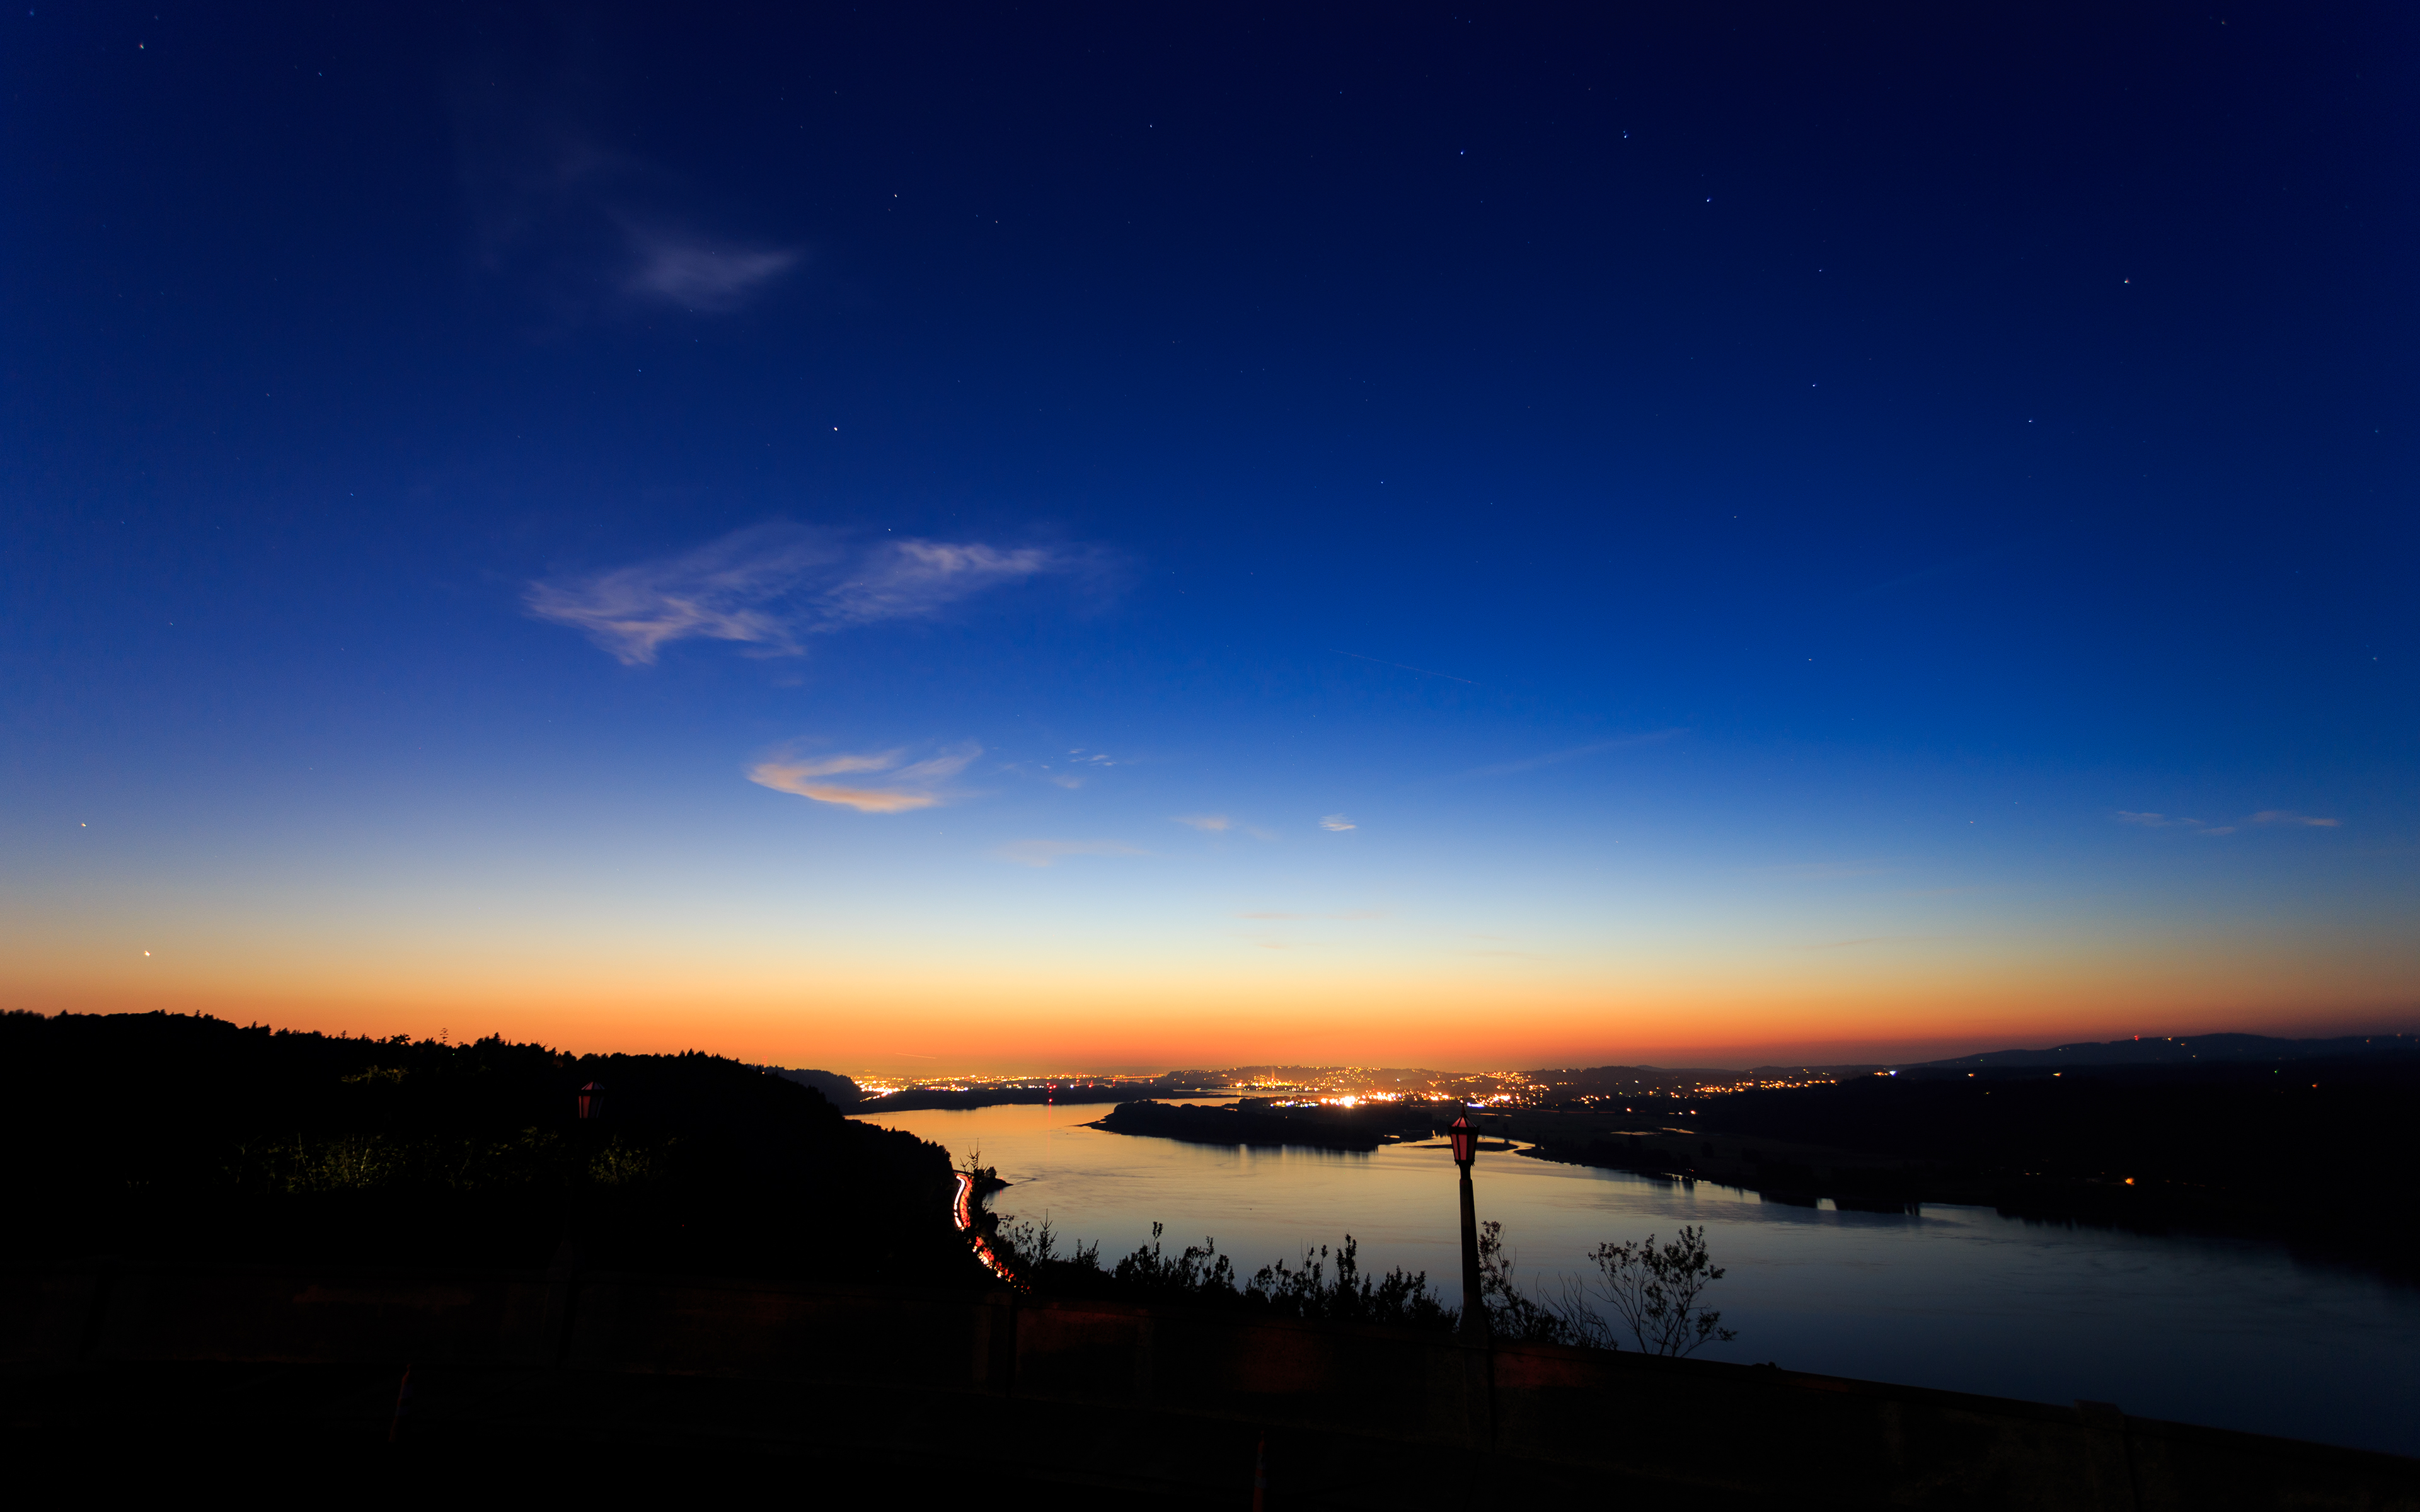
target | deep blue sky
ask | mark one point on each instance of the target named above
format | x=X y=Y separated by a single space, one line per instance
x=1884 y=526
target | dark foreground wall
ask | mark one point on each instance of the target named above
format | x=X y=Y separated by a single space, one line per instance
x=1164 y=1402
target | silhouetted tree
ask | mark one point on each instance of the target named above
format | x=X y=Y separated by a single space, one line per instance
x=1654 y=1290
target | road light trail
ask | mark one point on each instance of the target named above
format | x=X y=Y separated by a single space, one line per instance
x=962 y=1212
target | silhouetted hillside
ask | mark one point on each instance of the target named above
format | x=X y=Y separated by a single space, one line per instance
x=152 y=1133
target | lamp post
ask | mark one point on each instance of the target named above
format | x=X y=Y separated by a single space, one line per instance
x=1474 y=1301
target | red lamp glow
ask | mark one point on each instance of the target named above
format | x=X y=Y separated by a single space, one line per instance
x=592 y=1101
x=1465 y=1141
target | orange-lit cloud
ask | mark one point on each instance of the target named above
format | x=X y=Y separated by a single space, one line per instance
x=912 y=786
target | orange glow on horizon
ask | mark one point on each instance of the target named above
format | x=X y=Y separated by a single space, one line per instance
x=930 y=1027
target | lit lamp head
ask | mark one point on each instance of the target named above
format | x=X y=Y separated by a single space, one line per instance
x=1466 y=1142
x=592 y=1101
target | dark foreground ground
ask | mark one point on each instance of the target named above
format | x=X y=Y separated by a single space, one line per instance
x=476 y=1434
x=609 y=1386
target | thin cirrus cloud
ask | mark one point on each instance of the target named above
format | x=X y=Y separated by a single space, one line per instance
x=1079 y=756
x=544 y=188
x=1218 y=824
x=1041 y=853
x=2266 y=816
x=1071 y=774
x=1348 y=914
x=699 y=275
x=899 y=787
x=2160 y=821
x=772 y=588
x=1338 y=822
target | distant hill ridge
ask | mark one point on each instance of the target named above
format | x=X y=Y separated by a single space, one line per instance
x=2149 y=1050
x=2176 y=1050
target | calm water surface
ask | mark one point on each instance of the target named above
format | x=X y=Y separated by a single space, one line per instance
x=2234 y=1335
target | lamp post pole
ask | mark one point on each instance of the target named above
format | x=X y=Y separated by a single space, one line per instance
x=1474 y=1299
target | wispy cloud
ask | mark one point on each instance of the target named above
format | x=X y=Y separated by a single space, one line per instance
x=2151 y=820
x=1349 y=913
x=696 y=274
x=1531 y=763
x=2266 y=816
x=573 y=208
x=1043 y=852
x=1209 y=822
x=771 y=587
x=1071 y=774
x=1870 y=939
x=1338 y=822
x=901 y=787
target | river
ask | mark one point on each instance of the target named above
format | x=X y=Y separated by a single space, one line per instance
x=2232 y=1334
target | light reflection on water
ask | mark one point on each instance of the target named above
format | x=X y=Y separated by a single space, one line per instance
x=2234 y=1335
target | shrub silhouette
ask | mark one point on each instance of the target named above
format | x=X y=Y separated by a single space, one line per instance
x=1201 y=1275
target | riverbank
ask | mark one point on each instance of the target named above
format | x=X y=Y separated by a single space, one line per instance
x=2319 y=1165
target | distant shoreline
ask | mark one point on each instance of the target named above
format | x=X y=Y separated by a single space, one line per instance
x=940 y=1101
x=876 y=1105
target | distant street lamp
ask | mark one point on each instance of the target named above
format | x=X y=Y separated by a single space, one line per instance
x=1474 y=1301
x=592 y=1101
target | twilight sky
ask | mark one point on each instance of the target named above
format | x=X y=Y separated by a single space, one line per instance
x=1003 y=538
